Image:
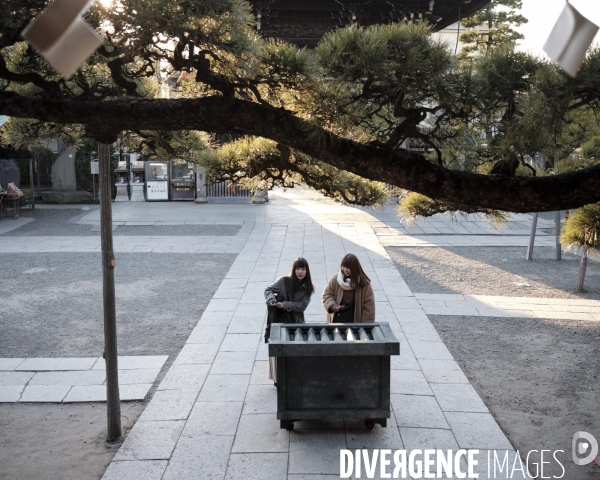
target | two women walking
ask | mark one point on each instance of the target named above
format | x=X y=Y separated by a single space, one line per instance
x=347 y=298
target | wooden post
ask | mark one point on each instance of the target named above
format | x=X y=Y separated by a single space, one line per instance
x=557 y=214
x=582 y=267
x=37 y=173
x=529 y=255
x=113 y=401
x=557 y=228
x=32 y=203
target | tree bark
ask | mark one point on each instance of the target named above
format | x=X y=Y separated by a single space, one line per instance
x=529 y=255
x=113 y=401
x=402 y=168
x=32 y=196
x=557 y=233
x=582 y=267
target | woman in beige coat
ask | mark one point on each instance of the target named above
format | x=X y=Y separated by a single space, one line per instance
x=349 y=297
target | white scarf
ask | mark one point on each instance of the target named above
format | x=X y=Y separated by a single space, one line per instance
x=345 y=284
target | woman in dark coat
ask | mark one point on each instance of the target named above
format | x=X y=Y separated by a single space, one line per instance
x=290 y=295
x=295 y=289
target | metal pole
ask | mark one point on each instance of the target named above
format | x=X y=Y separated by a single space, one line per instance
x=113 y=402
x=529 y=255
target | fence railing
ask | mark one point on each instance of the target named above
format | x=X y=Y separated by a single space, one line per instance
x=227 y=189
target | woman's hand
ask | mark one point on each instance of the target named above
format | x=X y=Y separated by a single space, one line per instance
x=336 y=308
x=276 y=304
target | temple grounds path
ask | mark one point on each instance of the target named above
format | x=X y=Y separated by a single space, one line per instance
x=212 y=407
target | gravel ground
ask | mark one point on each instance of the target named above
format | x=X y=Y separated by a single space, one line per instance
x=538 y=377
x=50 y=441
x=494 y=271
x=53 y=307
x=62 y=223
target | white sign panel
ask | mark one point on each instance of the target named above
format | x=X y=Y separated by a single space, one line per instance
x=157 y=190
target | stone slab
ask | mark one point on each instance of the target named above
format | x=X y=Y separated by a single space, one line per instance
x=224 y=388
x=243 y=342
x=192 y=353
x=150 y=441
x=405 y=361
x=97 y=393
x=477 y=430
x=10 y=393
x=204 y=334
x=133 y=362
x=443 y=371
x=260 y=373
x=458 y=398
x=53 y=364
x=411 y=315
x=43 y=393
x=261 y=434
x=428 y=438
x=358 y=437
x=136 y=470
x=204 y=458
x=262 y=353
x=181 y=377
x=10 y=363
x=169 y=405
x=138 y=375
x=316 y=451
x=246 y=325
x=213 y=418
x=430 y=350
x=222 y=305
x=260 y=399
x=263 y=466
x=15 y=378
x=85 y=377
x=418 y=411
x=227 y=293
x=233 y=363
x=409 y=382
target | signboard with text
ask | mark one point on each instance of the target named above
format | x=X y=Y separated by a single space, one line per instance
x=157 y=190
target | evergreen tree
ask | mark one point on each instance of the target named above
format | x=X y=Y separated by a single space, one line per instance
x=492 y=26
x=335 y=117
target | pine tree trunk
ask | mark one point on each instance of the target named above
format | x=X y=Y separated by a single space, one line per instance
x=582 y=267
x=529 y=255
x=113 y=402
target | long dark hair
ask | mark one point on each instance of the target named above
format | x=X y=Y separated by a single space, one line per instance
x=358 y=278
x=296 y=283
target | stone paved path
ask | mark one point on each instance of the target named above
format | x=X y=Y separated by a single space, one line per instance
x=213 y=415
x=495 y=306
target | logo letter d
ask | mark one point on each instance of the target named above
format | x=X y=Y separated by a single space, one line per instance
x=593 y=443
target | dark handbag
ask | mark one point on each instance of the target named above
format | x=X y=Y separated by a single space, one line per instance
x=345 y=315
x=277 y=315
